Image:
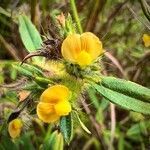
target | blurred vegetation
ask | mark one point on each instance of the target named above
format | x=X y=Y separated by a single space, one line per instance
x=120 y=24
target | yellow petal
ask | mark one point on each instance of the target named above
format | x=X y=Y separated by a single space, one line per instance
x=14 y=128
x=46 y=112
x=84 y=59
x=146 y=40
x=45 y=108
x=63 y=108
x=71 y=47
x=55 y=94
x=91 y=44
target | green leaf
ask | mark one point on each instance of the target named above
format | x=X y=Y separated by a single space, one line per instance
x=54 y=141
x=121 y=142
x=50 y=140
x=43 y=81
x=23 y=71
x=26 y=142
x=82 y=124
x=66 y=127
x=29 y=35
x=134 y=130
x=33 y=69
x=123 y=100
x=7 y=143
x=28 y=70
x=59 y=143
x=127 y=87
x=138 y=128
x=103 y=104
x=93 y=98
x=32 y=87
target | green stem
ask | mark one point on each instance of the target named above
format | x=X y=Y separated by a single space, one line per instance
x=75 y=15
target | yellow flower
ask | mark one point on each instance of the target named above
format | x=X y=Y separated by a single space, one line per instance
x=146 y=40
x=54 y=103
x=15 y=127
x=81 y=49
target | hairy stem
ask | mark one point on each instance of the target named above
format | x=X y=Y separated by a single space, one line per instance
x=75 y=15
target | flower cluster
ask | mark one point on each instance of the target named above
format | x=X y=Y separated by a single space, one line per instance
x=77 y=49
x=54 y=102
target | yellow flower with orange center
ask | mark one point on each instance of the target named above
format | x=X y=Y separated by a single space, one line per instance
x=15 y=127
x=81 y=49
x=146 y=40
x=54 y=103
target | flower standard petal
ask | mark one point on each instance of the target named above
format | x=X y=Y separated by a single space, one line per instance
x=62 y=108
x=55 y=93
x=71 y=47
x=91 y=44
x=46 y=112
x=14 y=128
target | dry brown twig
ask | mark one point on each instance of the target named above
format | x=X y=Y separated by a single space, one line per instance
x=147 y=25
x=116 y=63
x=10 y=48
x=145 y=59
x=113 y=125
x=91 y=23
x=94 y=122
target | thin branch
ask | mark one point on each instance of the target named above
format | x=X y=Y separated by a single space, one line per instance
x=113 y=125
x=143 y=61
x=11 y=50
x=15 y=86
x=116 y=63
x=95 y=124
x=135 y=16
x=136 y=75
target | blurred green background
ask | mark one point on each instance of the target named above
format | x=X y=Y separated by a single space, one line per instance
x=120 y=24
